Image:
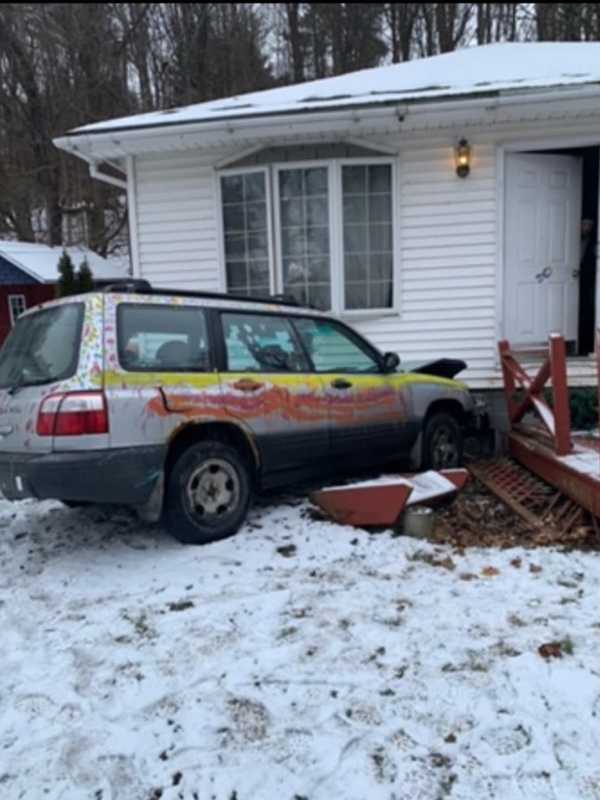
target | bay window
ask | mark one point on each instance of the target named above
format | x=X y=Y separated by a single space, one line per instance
x=327 y=238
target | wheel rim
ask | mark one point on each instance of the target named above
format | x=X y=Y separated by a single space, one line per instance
x=444 y=448
x=213 y=490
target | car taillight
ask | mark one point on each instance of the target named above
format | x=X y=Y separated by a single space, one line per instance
x=73 y=414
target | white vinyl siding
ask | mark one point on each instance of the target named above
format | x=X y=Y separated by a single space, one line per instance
x=178 y=232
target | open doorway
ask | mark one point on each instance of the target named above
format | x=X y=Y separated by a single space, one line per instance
x=587 y=255
x=551 y=220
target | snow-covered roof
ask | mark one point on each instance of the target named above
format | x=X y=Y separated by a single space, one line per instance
x=41 y=261
x=514 y=67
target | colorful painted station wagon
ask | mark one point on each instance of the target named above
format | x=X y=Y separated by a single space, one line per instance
x=184 y=404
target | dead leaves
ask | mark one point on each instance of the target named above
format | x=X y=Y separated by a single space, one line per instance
x=556 y=649
x=430 y=558
x=490 y=572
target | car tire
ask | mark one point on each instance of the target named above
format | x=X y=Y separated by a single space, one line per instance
x=207 y=494
x=442 y=442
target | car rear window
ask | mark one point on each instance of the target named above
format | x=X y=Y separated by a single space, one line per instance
x=159 y=338
x=43 y=347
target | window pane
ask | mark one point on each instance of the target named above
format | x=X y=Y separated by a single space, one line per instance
x=161 y=338
x=317 y=241
x=235 y=246
x=42 y=347
x=254 y=187
x=355 y=239
x=354 y=180
x=315 y=181
x=355 y=209
x=258 y=246
x=380 y=208
x=380 y=178
x=260 y=343
x=246 y=233
x=317 y=212
x=356 y=268
x=368 y=239
x=290 y=183
x=380 y=238
x=232 y=189
x=292 y=213
x=233 y=216
x=331 y=349
x=357 y=295
x=305 y=244
x=236 y=275
x=256 y=216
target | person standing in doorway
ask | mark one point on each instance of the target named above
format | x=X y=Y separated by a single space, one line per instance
x=587 y=287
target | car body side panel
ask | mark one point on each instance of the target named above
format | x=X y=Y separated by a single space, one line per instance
x=287 y=415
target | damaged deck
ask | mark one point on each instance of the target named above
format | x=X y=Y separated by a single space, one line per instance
x=547 y=448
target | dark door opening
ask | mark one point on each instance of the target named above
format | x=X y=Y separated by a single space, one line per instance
x=587 y=255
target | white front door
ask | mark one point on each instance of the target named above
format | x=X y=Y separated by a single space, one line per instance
x=541 y=246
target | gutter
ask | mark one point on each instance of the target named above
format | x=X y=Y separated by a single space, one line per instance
x=120 y=183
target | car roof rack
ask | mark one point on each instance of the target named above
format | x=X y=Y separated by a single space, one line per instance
x=140 y=286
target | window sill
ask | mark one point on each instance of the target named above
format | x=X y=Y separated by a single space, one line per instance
x=371 y=314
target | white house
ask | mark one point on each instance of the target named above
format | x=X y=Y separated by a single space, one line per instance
x=345 y=192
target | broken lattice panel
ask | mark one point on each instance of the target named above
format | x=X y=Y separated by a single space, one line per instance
x=540 y=505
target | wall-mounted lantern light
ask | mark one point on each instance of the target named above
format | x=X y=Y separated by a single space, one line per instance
x=462 y=157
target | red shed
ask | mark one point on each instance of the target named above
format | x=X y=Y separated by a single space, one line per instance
x=29 y=274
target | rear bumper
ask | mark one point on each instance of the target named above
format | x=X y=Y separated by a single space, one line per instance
x=126 y=475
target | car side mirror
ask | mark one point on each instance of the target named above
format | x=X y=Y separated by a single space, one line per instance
x=391 y=362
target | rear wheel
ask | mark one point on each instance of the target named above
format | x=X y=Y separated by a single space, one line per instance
x=208 y=493
x=442 y=442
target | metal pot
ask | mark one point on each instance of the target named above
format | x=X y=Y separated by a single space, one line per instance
x=418 y=521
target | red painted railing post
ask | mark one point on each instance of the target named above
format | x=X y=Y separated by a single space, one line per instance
x=560 y=394
x=508 y=379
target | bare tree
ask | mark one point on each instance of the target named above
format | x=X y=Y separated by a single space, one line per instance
x=401 y=21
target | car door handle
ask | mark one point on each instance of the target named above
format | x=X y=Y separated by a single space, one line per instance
x=247 y=385
x=340 y=383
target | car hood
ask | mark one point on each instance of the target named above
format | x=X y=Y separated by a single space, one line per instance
x=439 y=367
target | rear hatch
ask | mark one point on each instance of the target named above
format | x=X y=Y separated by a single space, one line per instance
x=40 y=354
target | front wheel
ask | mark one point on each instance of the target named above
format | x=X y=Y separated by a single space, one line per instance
x=442 y=442
x=208 y=493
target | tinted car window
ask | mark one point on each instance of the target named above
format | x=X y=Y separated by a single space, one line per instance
x=162 y=338
x=261 y=343
x=42 y=347
x=331 y=349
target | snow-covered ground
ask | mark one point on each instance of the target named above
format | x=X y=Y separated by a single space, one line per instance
x=297 y=660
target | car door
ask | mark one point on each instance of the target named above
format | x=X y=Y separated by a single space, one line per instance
x=267 y=385
x=367 y=409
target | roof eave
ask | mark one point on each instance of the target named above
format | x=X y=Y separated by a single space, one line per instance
x=119 y=142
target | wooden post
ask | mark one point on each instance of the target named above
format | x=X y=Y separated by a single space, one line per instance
x=560 y=393
x=508 y=380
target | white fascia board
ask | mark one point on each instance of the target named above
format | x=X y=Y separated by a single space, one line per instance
x=350 y=123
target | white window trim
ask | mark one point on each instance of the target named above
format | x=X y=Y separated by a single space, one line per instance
x=12 y=297
x=336 y=227
x=221 y=227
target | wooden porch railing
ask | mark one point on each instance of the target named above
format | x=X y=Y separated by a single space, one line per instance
x=556 y=419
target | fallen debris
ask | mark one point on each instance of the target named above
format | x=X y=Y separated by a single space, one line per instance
x=380 y=502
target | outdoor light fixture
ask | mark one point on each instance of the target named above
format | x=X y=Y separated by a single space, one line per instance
x=462 y=156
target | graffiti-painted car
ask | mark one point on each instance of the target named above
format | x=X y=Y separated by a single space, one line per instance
x=183 y=405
